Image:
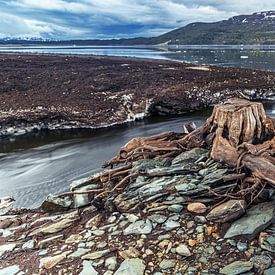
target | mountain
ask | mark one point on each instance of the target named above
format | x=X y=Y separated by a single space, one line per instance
x=257 y=28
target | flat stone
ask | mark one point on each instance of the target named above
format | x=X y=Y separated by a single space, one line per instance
x=256 y=219
x=270 y=271
x=88 y=269
x=237 y=267
x=183 y=250
x=175 y=208
x=55 y=227
x=189 y=156
x=196 y=207
x=52 y=261
x=28 y=245
x=267 y=241
x=157 y=218
x=50 y=241
x=10 y=270
x=111 y=263
x=138 y=227
x=228 y=211
x=74 y=238
x=79 y=252
x=6 y=205
x=56 y=204
x=131 y=266
x=132 y=218
x=171 y=224
x=166 y=264
x=98 y=232
x=96 y=255
x=7 y=248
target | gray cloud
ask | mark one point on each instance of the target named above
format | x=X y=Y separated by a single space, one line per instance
x=69 y=19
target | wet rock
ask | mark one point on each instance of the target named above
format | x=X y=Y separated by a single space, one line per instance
x=51 y=261
x=10 y=270
x=256 y=219
x=96 y=255
x=50 y=241
x=261 y=262
x=183 y=250
x=166 y=264
x=138 y=227
x=175 y=208
x=6 y=205
x=237 y=267
x=131 y=266
x=196 y=207
x=88 y=269
x=267 y=241
x=56 y=204
x=6 y=248
x=228 y=211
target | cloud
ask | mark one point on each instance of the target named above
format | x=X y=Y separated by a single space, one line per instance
x=70 y=19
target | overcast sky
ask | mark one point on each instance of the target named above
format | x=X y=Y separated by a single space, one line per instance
x=88 y=19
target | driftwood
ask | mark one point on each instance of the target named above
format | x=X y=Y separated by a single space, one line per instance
x=239 y=135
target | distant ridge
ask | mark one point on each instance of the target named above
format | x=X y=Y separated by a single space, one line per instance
x=254 y=29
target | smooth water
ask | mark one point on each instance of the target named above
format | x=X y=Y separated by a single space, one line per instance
x=253 y=57
x=35 y=165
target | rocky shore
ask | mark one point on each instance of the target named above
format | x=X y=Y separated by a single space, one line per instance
x=60 y=92
x=189 y=212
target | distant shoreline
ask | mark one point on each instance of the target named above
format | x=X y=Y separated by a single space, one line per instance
x=71 y=91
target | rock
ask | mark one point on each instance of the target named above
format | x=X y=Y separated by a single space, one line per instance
x=55 y=227
x=79 y=252
x=132 y=252
x=237 y=267
x=166 y=264
x=175 y=208
x=183 y=250
x=157 y=218
x=6 y=248
x=56 y=204
x=51 y=261
x=98 y=232
x=81 y=200
x=261 y=262
x=196 y=207
x=50 y=241
x=28 y=245
x=96 y=255
x=10 y=270
x=94 y=221
x=74 y=238
x=267 y=241
x=131 y=266
x=241 y=246
x=138 y=227
x=270 y=271
x=6 y=205
x=111 y=263
x=170 y=224
x=88 y=269
x=228 y=211
x=200 y=219
x=256 y=219
x=132 y=218
x=189 y=156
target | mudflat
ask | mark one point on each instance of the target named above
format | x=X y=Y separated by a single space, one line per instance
x=88 y=91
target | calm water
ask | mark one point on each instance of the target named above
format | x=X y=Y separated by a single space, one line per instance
x=229 y=56
x=33 y=166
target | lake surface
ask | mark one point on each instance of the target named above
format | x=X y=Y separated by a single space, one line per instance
x=254 y=57
x=33 y=166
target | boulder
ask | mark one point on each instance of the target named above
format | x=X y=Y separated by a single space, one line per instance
x=228 y=211
x=257 y=218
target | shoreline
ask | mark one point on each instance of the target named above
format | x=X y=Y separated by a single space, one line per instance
x=57 y=92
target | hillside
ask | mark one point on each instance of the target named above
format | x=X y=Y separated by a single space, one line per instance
x=257 y=28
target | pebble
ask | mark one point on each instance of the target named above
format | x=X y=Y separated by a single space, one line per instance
x=10 y=270
x=131 y=266
x=177 y=208
x=96 y=255
x=166 y=264
x=6 y=248
x=88 y=269
x=183 y=250
x=111 y=263
x=241 y=246
x=196 y=207
x=237 y=267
